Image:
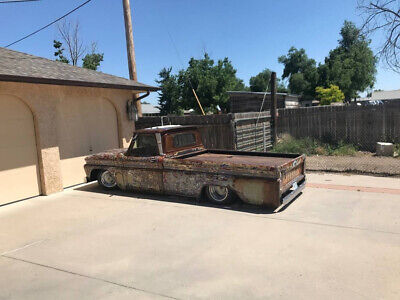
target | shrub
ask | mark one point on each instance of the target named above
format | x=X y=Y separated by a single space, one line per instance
x=329 y=95
x=310 y=146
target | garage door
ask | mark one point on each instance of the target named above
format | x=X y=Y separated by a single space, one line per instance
x=19 y=172
x=85 y=126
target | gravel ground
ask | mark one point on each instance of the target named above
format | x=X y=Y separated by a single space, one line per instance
x=363 y=163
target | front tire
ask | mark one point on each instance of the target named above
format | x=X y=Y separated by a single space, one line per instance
x=219 y=194
x=106 y=180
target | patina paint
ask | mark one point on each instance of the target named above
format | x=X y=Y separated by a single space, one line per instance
x=256 y=178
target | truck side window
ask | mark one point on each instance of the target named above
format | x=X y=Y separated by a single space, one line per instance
x=144 y=145
x=184 y=140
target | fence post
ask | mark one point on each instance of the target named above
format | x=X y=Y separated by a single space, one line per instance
x=274 y=116
x=264 y=144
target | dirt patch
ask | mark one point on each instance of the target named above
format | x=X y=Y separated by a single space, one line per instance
x=362 y=163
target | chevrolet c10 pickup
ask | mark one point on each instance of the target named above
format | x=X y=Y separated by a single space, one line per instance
x=172 y=160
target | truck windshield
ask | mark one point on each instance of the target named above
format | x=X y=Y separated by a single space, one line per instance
x=143 y=145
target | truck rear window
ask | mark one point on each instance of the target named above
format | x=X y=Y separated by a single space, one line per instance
x=184 y=140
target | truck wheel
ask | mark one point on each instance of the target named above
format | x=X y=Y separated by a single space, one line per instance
x=106 y=180
x=219 y=194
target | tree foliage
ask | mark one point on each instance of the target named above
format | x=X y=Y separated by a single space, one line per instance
x=352 y=65
x=92 y=60
x=169 y=96
x=210 y=80
x=329 y=95
x=261 y=83
x=71 y=37
x=301 y=71
x=59 y=52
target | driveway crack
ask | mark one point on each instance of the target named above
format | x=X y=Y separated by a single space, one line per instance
x=89 y=277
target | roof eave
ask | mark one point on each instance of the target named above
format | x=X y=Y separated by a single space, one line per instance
x=27 y=79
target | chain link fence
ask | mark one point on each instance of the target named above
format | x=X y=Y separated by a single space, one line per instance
x=342 y=138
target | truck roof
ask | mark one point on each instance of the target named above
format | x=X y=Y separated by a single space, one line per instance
x=167 y=128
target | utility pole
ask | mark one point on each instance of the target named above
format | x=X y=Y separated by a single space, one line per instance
x=131 y=50
x=274 y=111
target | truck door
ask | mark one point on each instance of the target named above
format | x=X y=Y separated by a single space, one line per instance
x=142 y=168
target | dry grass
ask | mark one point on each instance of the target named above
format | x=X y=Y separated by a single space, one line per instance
x=310 y=146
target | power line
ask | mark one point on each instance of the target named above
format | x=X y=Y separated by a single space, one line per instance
x=17 y=1
x=44 y=27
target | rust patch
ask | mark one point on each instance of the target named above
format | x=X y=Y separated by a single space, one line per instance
x=257 y=178
x=258 y=191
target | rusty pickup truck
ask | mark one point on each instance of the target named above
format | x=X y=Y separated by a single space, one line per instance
x=173 y=160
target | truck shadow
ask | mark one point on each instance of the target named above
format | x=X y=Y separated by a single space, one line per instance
x=238 y=205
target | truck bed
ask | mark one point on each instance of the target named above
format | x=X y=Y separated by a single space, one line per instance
x=260 y=164
x=235 y=158
x=257 y=177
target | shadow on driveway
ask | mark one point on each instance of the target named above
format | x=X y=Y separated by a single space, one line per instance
x=236 y=206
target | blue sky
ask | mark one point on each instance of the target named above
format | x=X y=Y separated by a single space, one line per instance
x=252 y=33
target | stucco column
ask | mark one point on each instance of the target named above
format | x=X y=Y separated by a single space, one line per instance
x=48 y=151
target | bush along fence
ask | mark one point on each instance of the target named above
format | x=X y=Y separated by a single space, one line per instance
x=361 y=126
x=239 y=131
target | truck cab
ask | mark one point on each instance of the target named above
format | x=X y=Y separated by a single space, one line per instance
x=165 y=140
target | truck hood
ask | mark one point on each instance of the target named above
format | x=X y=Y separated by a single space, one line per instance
x=109 y=154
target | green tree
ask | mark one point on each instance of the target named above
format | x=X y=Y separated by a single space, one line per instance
x=169 y=96
x=261 y=83
x=93 y=59
x=352 y=65
x=301 y=71
x=59 y=50
x=329 y=95
x=210 y=81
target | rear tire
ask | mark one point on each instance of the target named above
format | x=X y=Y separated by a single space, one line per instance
x=219 y=194
x=106 y=180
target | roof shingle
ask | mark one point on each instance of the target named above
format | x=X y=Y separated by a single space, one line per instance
x=21 y=67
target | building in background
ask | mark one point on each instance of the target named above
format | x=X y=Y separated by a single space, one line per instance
x=380 y=97
x=149 y=110
x=52 y=115
x=251 y=101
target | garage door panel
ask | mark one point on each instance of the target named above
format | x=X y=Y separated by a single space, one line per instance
x=19 y=172
x=19 y=187
x=17 y=157
x=84 y=127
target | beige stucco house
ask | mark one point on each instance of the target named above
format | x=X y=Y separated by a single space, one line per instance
x=51 y=116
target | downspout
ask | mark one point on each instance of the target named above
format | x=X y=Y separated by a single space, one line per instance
x=143 y=96
x=130 y=109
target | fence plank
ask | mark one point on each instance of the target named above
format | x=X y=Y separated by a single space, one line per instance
x=359 y=125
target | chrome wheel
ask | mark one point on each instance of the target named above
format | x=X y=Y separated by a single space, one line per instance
x=107 y=180
x=219 y=194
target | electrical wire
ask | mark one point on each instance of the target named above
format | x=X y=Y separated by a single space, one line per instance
x=48 y=25
x=262 y=104
x=181 y=62
x=17 y=1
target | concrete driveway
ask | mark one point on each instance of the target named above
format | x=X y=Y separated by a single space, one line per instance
x=339 y=240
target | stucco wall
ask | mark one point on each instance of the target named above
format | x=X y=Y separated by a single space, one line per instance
x=44 y=101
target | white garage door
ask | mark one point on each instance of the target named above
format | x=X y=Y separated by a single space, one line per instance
x=19 y=172
x=84 y=127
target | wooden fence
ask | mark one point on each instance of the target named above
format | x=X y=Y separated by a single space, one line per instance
x=362 y=126
x=240 y=131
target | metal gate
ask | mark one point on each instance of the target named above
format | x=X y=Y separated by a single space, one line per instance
x=253 y=134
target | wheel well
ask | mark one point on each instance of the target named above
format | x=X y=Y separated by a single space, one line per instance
x=94 y=174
